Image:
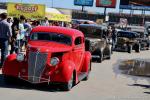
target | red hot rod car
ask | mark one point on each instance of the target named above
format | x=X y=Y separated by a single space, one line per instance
x=53 y=55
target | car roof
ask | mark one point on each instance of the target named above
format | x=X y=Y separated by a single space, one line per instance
x=128 y=32
x=58 y=29
x=93 y=25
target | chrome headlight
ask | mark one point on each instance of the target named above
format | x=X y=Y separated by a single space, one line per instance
x=124 y=45
x=20 y=57
x=54 y=61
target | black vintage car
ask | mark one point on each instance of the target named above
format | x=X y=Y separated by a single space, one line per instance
x=95 y=41
x=144 y=41
x=128 y=41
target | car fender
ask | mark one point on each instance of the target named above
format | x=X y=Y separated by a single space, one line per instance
x=67 y=70
x=87 y=60
x=11 y=66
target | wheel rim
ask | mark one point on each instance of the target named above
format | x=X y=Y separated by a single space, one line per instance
x=130 y=49
x=139 y=47
x=101 y=57
x=70 y=83
x=89 y=67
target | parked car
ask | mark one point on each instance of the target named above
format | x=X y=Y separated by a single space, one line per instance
x=128 y=41
x=144 y=41
x=54 y=55
x=143 y=37
x=95 y=41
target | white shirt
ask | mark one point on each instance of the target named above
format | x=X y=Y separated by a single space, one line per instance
x=22 y=31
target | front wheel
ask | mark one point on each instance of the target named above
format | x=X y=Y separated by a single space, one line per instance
x=89 y=69
x=10 y=80
x=148 y=46
x=109 y=54
x=138 y=48
x=129 y=48
x=69 y=85
x=100 y=59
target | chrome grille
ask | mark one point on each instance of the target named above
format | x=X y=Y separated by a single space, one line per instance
x=36 y=65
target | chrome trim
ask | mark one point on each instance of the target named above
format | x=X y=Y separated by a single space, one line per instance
x=36 y=66
x=45 y=80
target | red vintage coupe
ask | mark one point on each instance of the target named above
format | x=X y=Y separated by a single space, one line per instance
x=54 y=55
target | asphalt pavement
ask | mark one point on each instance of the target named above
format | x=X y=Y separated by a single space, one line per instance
x=106 y=82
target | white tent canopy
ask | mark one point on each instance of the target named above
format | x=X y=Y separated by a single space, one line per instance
x=52 y=10
x=3 y=11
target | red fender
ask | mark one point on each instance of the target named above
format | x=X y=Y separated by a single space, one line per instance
x=67 y=70
x=87 y=60
x=63 y=72
x=11 y=66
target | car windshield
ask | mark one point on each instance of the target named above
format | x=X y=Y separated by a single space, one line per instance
x=54 y=37
x=127 y=34
x=91 y=32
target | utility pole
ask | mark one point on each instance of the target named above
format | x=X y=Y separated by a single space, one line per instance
x=105 y=12
x=52 y=3
x=82 y=8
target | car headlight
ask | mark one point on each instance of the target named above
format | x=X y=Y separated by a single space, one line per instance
x=20 y=57
x=124 y=45
x=54 y=61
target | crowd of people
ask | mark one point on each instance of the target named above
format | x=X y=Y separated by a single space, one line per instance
x=15 y=31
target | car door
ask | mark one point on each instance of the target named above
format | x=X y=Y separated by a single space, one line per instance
x=78 y=52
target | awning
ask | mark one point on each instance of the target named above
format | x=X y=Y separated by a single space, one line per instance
x=56 y=15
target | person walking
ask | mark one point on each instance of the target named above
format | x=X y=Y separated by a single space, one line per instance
x=28 y=28
x=114 y=37
x=21 y=35
x=15 y=32
x=5 y=35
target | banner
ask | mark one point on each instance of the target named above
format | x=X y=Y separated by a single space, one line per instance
x=135 y=4
x=106 y=3
x=33 y=11
x=83 y=2
x=58 y=17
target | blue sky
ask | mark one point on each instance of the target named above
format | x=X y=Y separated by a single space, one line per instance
x=70 y=5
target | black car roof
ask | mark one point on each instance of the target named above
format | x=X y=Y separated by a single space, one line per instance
x=93 y=25
x=128 y=32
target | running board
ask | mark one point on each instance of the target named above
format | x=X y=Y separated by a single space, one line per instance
x=96 y=57
x=82 y=75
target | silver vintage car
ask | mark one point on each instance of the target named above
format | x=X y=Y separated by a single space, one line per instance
x=96 y=42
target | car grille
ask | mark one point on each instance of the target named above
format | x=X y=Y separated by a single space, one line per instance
x=36 y=66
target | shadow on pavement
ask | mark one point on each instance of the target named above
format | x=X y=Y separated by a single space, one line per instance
x=135 y=69
x=147 y=92
x=141 y=85
x=19 y=84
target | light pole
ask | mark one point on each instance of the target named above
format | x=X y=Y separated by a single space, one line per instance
x=52 y=3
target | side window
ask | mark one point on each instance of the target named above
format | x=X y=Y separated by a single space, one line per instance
x=78 y=41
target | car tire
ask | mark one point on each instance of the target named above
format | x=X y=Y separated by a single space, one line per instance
x=68 y=86
x=9 y=80
x=138 y=48
x=148 y=46
x=109 y=55
x=89 y=69
x=129 y=48
x=100 y=59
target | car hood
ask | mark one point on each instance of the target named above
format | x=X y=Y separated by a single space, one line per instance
x=93 y=39
x=49 y=46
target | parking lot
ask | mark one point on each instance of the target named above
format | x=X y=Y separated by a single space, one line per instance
x=105 y=83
